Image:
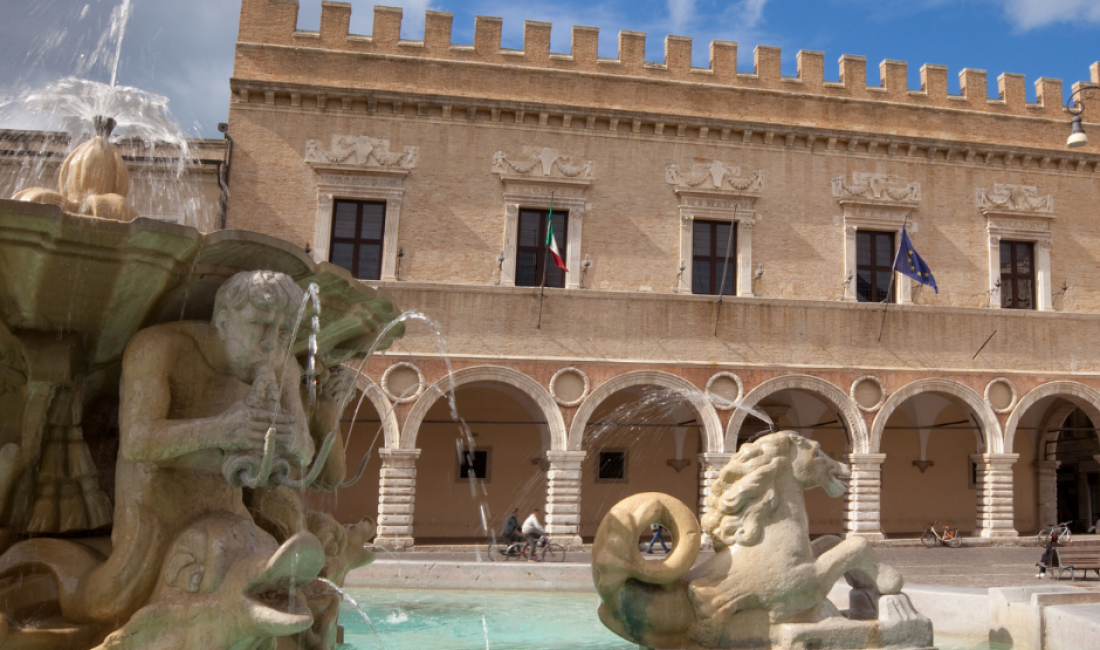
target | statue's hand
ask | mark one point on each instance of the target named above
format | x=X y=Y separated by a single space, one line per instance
x=245 y=427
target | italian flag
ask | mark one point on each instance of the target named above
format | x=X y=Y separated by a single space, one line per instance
x=552 y=243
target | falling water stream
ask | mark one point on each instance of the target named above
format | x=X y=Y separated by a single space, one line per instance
x=156 y=149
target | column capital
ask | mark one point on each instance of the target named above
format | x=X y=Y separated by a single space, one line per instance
x=866 y=459
x=997 y=461
x=398 y=455
x=715 y=459
x=553 y=456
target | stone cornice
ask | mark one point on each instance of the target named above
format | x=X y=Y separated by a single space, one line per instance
x=283 y=97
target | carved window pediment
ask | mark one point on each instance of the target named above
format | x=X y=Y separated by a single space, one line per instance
x=361 y=151
x=541 y=179
x=542 y=162
x=709 y=175
x=360 y=168
x=872 y=189
x=1018 y=213
x=1014 y=199
x=710 y=190
x=872 y=201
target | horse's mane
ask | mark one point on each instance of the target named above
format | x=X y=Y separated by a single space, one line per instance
x=743 y=495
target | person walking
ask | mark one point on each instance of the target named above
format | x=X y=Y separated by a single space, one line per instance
x=657 y=528
x=510 y=531
x=532 y=531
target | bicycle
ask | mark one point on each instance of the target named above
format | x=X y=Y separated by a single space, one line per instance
x=1062 y=529
x=930 y=537
x=545 y=551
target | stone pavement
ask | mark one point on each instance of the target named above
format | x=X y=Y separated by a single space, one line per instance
x=455 y=567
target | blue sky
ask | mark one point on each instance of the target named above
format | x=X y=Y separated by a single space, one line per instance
x=184 y=49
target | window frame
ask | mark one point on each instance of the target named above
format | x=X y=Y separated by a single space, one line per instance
x=462 y=450
x=358 y=241
x=1014 y=277
x=359 y=184
x=599 y=463
x=717 y=257
x=541 y=261
x=534 y=193
x=873 y=235
x=1021 y=226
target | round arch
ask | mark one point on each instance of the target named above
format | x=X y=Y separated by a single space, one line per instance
x=990 y=428
x=712 y=427
x=486 y=374
x=816 y=386
x=391 y=433
x=1078 y=394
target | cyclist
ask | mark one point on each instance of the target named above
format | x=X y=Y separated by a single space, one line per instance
x=533 y=532
x=509 y=533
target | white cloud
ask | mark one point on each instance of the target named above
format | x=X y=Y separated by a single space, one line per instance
x=681 y=14
x=752 y=12
x=1032 y=14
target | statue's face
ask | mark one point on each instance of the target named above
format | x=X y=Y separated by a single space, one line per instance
x=254 y=338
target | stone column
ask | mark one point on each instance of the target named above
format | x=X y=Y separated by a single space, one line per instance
x=863 y=515
x=1046 y=475
x=563 y=497
x=709 y=466
x=397 y=498
x=995 y=507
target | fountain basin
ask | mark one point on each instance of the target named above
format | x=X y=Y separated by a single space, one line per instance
x=404 y=619
x=104 y=280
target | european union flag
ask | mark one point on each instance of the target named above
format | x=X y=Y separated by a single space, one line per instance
x=909 y=263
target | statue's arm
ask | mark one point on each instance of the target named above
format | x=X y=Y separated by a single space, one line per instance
x=147 y=435
x=325 y=419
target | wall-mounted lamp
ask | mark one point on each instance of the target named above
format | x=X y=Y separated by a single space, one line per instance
x=1077 y=137
x=500 y=267
x=584 y=267
x=756 y=276
x=679 y=275
x=397 y=271
x=308 y=249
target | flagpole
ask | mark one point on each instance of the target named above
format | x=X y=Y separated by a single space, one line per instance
x=725 y=270
x=542 y=283
x=893 y=280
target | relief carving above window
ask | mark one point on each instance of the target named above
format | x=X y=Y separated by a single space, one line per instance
x=361 y=150
x=542 y=161
x=876 y=187
x=1014 y=198
x=706 y=173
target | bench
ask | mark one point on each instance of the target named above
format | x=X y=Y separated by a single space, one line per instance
x=1083 y=558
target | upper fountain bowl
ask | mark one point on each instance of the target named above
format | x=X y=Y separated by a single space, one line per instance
x=104 y=280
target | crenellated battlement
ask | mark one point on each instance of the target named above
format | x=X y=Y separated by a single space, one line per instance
x=274 y=22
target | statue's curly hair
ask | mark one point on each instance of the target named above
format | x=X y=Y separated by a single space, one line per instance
x=743 y=495
x=265 y=290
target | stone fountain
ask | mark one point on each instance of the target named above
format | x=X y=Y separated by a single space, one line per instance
x=767 y=585
x=162 y=415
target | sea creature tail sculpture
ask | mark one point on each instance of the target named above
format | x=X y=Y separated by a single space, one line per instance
x=645 y=602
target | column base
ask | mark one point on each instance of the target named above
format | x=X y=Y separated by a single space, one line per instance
x=570 y=542
x=395 y=543
x=866 y=534
x=998 y=533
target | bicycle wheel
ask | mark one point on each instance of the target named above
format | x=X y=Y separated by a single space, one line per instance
x=955 y=541
x=1043 y=537
x=928 y=539
x=553 y=553
x=496 y=551
x=514 y=551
